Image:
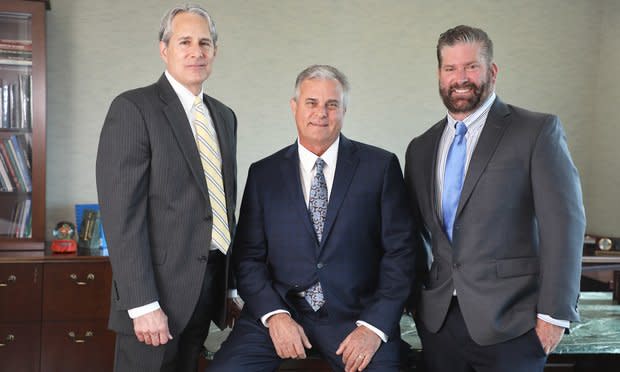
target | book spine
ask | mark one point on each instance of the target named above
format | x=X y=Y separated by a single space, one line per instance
x=21 y=164
x=4 y=174
x=9 y=165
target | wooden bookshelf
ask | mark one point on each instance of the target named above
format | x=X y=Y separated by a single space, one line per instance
x=22 y=125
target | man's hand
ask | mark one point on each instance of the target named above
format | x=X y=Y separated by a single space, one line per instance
x=152 y=328
x=233 y=310
x=288 y=337
x=549 y=335
x=358 y=349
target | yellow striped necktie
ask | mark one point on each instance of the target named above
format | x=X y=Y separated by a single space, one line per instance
x=211 y=159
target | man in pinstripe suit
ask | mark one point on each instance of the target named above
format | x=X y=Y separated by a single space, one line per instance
x=170 y=274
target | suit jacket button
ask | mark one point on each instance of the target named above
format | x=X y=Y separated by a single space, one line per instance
x=456 y=265
x=202 y=259
x=319 y=265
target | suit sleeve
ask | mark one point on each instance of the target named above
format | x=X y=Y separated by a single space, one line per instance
x=250 y=254
x=396 y=268
x=561 y=221
x=419 y=237
x=123 y=163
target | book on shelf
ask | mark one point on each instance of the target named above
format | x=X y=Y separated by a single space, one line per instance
x=16 y=52
x=22 y=167
x=16 y=44
x=15 y=163
x=7 y=186
x=16 y=103
x=15 y=62
x=21 y=220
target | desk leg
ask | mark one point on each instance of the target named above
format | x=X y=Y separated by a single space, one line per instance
x=616 y=296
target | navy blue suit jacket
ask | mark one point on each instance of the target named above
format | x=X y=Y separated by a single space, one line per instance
x=364 y=262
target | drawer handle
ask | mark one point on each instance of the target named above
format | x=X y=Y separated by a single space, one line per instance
x=8 y=340
x=80 y=340
x=10 y=279
x=74 y=277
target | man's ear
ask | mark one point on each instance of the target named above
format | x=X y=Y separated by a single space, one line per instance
x=163 y=51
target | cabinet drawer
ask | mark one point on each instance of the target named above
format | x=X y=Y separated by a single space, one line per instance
x=89 y=344
x=76 y=291
x=20 y=292
x=20 y=346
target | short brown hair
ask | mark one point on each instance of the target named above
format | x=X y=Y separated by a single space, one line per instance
x=466 y=34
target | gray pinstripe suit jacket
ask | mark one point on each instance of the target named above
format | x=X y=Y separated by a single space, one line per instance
x=155 y=204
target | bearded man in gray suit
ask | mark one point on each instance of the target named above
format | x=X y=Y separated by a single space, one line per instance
x=166 y=173
x=499 y=205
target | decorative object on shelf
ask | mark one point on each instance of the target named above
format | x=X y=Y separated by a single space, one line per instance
x=81 y=211
x=601 y=245
x=90 y=227
x=64 y=235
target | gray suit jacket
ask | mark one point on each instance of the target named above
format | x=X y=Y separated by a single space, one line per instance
x=518 y=232
x=155 y=204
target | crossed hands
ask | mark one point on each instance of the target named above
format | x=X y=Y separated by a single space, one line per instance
x=290 y=341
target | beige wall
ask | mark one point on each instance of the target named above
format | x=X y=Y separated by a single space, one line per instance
x=554 y=56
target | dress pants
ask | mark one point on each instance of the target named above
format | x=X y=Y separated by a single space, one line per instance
x=182 y=352
x=249 y=347
x=451 y=349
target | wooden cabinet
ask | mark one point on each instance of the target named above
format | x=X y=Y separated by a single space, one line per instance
x=22 y=125
x=54 y=312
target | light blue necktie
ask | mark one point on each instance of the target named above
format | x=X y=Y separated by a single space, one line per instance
x=453 y=177
x=317 y=207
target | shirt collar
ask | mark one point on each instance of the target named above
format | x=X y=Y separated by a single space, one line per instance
x=308 y=158
x=185 y=95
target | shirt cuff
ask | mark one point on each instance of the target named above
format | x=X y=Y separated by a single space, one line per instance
x=264 y=318
x=139 y=311
x=232 y=293
x=557 y=322
x=375 y=330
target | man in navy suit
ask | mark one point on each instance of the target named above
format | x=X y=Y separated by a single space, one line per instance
x=323 y=251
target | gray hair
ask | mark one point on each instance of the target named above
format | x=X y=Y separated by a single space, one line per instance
x=324 y=72
x=165 y=29
x=466 y=34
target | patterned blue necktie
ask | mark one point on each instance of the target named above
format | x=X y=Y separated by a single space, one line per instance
x=317 y=207
x=453 y=177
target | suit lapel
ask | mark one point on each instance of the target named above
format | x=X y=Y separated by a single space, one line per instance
x=435 y=138
x=345 y=169
x=492 y=133
x=182 y=131
x=290 y=171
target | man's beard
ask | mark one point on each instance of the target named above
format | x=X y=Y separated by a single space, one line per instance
x=462 y=105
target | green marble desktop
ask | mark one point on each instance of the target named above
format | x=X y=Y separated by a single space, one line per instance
x=598 y=332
